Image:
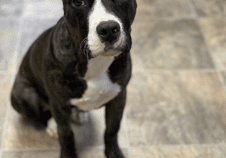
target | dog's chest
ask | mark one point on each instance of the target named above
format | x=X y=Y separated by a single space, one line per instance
x=100 y=88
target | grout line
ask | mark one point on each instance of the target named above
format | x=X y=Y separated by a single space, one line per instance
x=218 y=70
x=180 y=145
x=31 y=150
x=208 y=70
x=137 y=147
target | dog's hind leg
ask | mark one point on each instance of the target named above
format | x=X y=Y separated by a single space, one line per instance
x=27 y=102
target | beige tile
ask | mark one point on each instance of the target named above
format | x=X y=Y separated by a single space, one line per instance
x=20 y=135
x=176 y=108
x=211 y=151
x=214 y=30
x=218 y=151
x=208 y=8
x=5 y=89
x=8 y=40
x=31 y=154
x=168 y=44
x=163 y=8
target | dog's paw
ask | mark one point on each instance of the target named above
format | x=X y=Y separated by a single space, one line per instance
x=51 y=128
x=79 y=117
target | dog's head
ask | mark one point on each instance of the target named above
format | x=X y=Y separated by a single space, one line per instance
x=102 y=27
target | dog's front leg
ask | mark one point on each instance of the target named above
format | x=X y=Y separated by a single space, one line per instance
x=65 y=134
x=113 y=115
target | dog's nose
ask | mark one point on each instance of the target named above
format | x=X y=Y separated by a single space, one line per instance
x=108 y=31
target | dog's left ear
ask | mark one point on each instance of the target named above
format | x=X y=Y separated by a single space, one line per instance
x=132 y=10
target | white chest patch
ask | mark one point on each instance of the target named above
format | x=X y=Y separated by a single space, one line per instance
x=100 y=89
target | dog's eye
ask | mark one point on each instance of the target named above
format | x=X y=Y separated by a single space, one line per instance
x=78 y=3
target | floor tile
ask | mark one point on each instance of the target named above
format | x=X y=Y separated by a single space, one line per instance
x=5 y=89
x=164 y=8
x=88 y=153
x=10 y=8
x=21 y=135
x=43 y=9
x=176 y=108
x=207 y=8
x=32 y=29
x=31 y=154
x=217 y=151
x=8 y=41
x=169 y=44
x=215 y=29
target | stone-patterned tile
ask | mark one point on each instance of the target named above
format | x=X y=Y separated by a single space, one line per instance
x=32 y=29
x=169 y=44
x=208 y=8
x=8 y=40
x=5 y=89
x=164 y=8
x=20 y=135
x=176 y=108
x=31 y=154
x=217 y=151
x=43 y=9
x=10 y=8
x=88 y=153
x=215 y=30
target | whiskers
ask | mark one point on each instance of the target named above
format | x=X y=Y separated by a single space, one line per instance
x=84 y=48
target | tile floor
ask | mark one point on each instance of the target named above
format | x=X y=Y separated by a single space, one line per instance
x=176 y=103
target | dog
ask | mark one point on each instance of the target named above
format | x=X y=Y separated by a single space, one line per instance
x=82 y=62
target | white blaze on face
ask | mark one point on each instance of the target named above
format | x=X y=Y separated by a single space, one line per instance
x=96 y=16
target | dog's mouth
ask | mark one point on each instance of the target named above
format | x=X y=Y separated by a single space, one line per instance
x=84 y=48
x=109 y=50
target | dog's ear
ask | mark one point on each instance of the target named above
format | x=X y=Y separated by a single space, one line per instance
x=132 y=10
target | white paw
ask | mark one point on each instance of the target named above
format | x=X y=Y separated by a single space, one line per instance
x=51 y=128
x=80 y=117
x=83 y=117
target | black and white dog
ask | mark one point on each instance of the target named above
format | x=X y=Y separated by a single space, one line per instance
x=83 y=62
